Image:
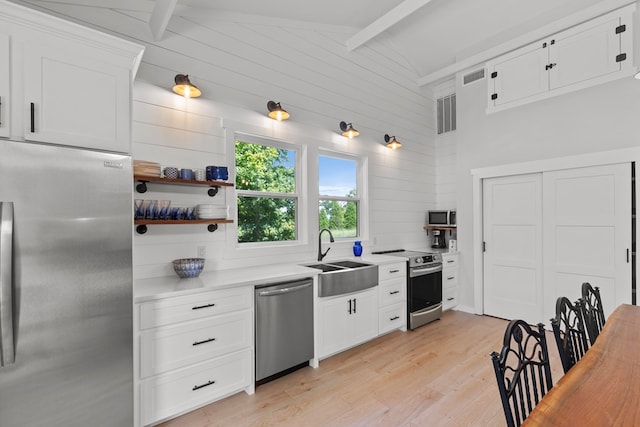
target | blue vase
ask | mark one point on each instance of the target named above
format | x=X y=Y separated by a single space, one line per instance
x=357 y=248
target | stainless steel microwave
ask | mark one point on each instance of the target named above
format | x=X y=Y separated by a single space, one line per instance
x=442 y=218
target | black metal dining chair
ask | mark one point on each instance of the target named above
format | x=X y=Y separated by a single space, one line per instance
x=522 y=370
x=569 y=331
x=593 y=311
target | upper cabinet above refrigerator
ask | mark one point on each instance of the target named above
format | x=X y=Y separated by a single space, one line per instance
x=65 y=84
x=594 y=52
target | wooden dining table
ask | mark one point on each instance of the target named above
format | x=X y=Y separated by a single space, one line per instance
x=603 y=388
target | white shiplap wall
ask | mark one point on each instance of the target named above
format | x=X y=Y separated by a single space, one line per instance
x=445 y=156
x=240 y=63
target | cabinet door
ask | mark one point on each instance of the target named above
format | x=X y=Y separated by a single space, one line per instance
x=335 y=328
x=72 y=99
x=365 y=316
x=4 y=85
x=584 y=53
x=518 y=75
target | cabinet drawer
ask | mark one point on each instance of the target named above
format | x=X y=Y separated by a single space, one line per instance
x=193 y=307
x=392 y=317
x=168 y=395
x=449 y=279
x=449 y=261
x=390 y=271
x=391 y=291
x=449 y=298
x=164 y=349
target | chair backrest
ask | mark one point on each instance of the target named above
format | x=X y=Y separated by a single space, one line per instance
x=569 y=331
x=593 y=311
x=522 y=370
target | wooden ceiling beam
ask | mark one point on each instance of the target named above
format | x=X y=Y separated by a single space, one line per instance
x=385 y=22
x=160 y=17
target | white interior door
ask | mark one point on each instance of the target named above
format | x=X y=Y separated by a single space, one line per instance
x=587 y=233
x=512 y=229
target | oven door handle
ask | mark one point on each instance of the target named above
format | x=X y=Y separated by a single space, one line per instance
x=422 y=271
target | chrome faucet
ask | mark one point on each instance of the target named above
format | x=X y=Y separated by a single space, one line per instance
x=320 y=254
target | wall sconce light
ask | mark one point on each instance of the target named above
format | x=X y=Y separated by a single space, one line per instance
x=276 y=112
x=348 y=130
x=392 y=142
x=185 y=88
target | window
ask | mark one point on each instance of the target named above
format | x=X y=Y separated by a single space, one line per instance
x=339 y=201
x=267 y=190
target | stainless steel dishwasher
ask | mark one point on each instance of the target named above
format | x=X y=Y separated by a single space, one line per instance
x=284 y=328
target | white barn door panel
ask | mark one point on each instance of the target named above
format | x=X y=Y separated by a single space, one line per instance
x=587 y=233
x=512 y=229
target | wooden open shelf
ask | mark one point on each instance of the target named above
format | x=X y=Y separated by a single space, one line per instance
x=161 y=180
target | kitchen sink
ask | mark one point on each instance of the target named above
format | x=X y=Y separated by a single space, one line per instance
x=350 y=264
x=343 y=277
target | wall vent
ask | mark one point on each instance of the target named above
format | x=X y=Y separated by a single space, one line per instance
x=472 y=76
x=446 y=113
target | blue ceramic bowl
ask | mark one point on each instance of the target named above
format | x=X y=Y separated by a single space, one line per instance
x=188 y=267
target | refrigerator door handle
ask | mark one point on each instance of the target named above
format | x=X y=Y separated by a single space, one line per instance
x=7 y=350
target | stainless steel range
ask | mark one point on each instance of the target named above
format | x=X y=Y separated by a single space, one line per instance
x=424 y=285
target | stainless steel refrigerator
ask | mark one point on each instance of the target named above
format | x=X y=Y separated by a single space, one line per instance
x=65 y=287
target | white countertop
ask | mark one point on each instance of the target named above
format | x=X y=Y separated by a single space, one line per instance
x=161 y=287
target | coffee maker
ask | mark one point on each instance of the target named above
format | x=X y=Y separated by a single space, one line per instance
x=438 y=240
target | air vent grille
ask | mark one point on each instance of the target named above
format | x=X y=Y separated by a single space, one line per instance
x=473 y=76
x=446 y=113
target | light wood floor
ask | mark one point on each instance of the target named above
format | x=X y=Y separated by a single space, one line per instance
x=438 y=375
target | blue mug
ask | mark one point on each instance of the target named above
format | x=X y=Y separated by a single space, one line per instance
x=186 y=174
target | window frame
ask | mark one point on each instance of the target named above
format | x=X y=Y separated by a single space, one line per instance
x=301 y=199
x=361 y=198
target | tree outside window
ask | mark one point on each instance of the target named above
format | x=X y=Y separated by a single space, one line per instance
x=339 y=200
x=266 y=190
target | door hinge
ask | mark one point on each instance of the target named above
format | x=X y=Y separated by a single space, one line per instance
x=484 y=246
x=621 y=29
x=494 y=96
x=621 y=57
x=494 y=74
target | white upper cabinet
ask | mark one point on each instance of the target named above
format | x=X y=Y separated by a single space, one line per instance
x=66 y=84
x=4 y=86
x=588 y=54
x=72 y=100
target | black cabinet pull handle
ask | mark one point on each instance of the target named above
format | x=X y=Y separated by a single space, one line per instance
x=203 y=342
x=394 y=292
x=354 y=305
x=198 y=387
x=198 y=307
x=450 y=261
x=394 y=318
x=350 y=306
x=394 y=271
x=451 y=278
x=449 y=299
x=33 y=117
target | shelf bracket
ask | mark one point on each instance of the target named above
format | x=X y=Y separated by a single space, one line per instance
x=141 y=229
x=213 y=191
x=142 y=187
x=212 y=227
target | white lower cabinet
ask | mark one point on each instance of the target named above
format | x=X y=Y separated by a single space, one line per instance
x=449 y=280
x=392 y=297
x=192 y=350
x=346 y=321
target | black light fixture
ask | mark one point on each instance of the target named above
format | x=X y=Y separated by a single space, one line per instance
x=184 y=87
x=348 y=130
x=392 y=142
x=276 y=112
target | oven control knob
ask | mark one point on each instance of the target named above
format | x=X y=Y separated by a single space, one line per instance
x=418 y=260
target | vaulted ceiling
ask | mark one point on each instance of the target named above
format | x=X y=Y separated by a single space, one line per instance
x=428 y=35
